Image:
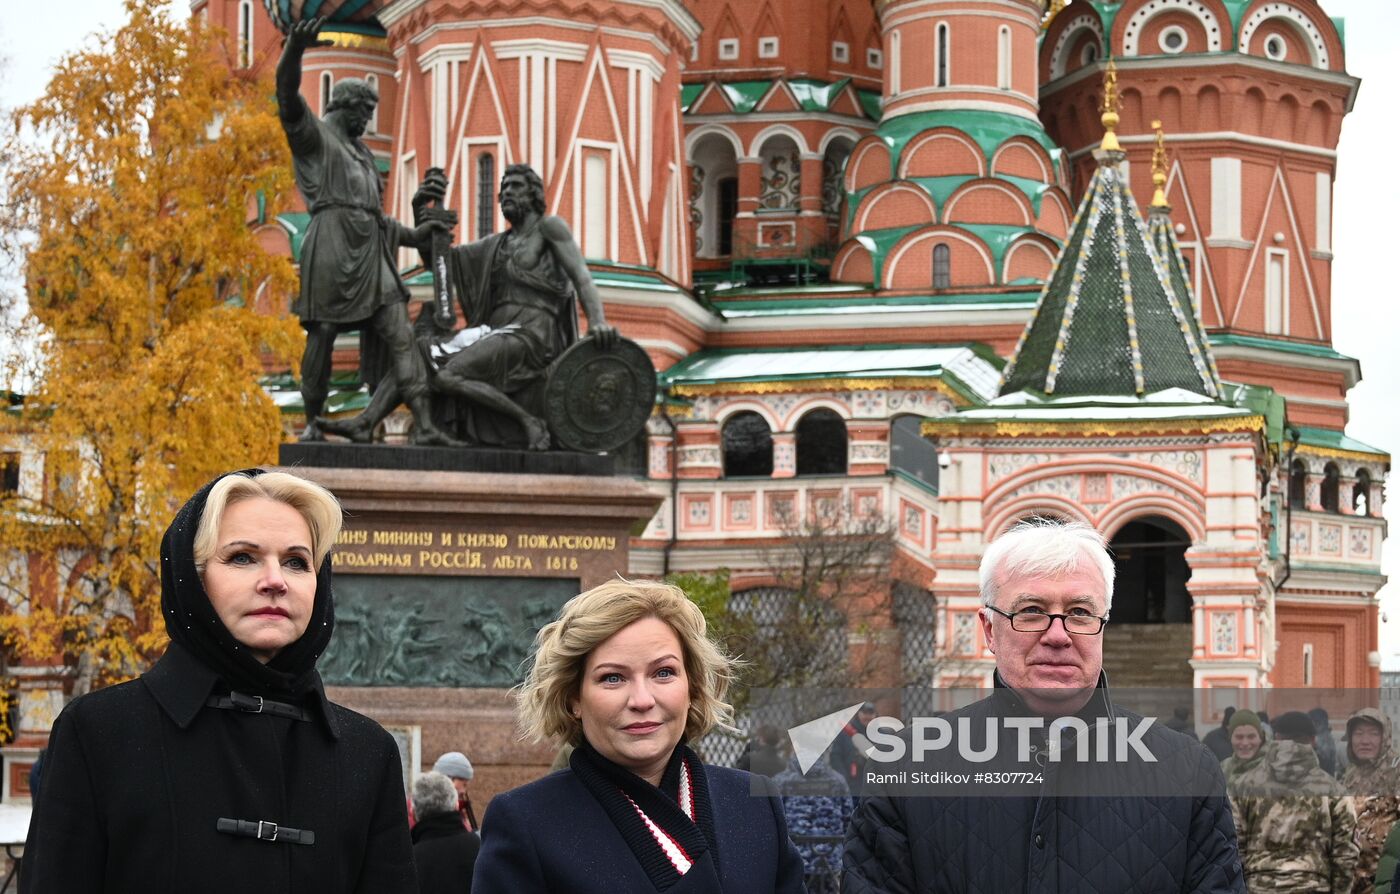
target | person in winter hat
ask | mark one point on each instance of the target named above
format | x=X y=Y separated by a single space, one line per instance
x=1296 y=826
x=1373 y=779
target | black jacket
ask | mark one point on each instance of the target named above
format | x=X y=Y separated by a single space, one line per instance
x=137 y=776
x=444 y=853
x=553 y=836
x=1043 y=842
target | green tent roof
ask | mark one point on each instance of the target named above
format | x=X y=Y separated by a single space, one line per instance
x=1159 y=225
x=1107 y=323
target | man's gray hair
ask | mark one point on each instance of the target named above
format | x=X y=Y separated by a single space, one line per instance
x=433 y=793
x=351 y=91
x=1044 y=547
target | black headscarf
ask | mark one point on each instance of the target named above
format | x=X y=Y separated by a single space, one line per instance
x=191 y=621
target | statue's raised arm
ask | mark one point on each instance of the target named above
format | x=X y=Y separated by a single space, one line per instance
x=301 y=36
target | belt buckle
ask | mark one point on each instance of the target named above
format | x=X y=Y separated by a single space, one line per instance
x=249 y=704
x=261 y=836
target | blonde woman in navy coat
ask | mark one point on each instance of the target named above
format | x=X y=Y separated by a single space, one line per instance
x=627 y=675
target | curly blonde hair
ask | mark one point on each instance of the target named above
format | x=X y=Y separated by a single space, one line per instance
x=586 y=621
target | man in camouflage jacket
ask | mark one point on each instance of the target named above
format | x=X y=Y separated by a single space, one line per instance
x=1296 y=826
x=1373 y=778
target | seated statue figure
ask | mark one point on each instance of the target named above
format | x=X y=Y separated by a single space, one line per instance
x=517 y=291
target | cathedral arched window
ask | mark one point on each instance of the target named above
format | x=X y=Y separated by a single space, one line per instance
x=485 y=195
x=942 y=60
x=1298 y=485
x=1361 y=493
x=1331 y=485
x=245 y=34
x=821 y=443
x=326 y=84
x=373 y=125
x=1004 y=58
x=748 y=446
x=942 y=266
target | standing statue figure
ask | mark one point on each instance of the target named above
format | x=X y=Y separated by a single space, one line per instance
x=517 y=291
x=348 y=276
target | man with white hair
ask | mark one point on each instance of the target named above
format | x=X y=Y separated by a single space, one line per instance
x=444 y=852
x=1064 y=808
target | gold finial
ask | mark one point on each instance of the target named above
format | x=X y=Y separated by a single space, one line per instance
x=1056 y=7
x=1110 y=109
x=1159 y=168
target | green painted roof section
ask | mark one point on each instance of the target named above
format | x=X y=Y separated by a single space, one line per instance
x=1107 y=324
x=1335 y=440
x=816 y=96
x=1261 y=400
x=346 y=394
x=1170 y=403
x=812 y=95
x=1340 y=23
x=988 y=129
x=755 y=307
x=295 y=223
x=871 y=102
x=1307 y=349
x=971 y=369
x=941 y=189
x=689 y=92
x=997 y=237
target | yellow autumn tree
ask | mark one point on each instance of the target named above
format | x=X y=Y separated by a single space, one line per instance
x=136 y=184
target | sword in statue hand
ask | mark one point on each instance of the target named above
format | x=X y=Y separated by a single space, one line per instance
x=441 y=246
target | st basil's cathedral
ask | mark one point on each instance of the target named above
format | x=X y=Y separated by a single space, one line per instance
x=892 y=260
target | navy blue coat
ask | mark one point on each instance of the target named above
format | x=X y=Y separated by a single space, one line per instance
x=999 y=844
x=552 y=835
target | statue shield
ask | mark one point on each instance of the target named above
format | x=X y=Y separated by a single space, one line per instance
x=598 y=400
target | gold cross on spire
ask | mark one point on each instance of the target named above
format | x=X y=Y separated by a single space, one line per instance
x=1110 y=109
x=1159 y=168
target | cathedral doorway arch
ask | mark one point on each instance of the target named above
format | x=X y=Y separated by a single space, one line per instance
x=1148 y=640
x=1150 y=572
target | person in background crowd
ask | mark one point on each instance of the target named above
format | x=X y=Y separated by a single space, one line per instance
x=761 y=754
x=817 y=804
x=1373 y=779
x=848 y=751
x=1046 y=588
x=1295 y=824
x=1247 y=740
x=1326 y=743
x=1181 y=723
x=1218 y=739
x=225 y=769
x=444 y=852
x=455 y=766
x=627 y=674
x=1264 y=725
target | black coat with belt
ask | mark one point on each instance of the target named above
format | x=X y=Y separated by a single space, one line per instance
x=553 y=835
x=444 y=853
x=138 y=775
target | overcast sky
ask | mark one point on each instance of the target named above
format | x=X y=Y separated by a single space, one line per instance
x=1365 y=303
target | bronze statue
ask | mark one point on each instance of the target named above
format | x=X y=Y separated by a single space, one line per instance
x=517 y=291
x=348 y=275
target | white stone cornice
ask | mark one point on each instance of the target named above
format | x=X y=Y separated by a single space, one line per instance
x=674 y=10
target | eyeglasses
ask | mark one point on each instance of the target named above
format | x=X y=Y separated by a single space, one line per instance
x=1032 y=620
